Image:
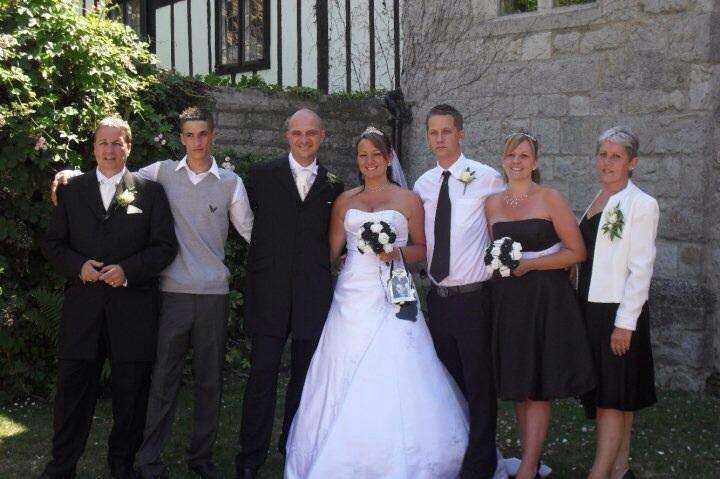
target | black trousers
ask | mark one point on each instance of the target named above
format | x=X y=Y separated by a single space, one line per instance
x=461 y=330
x=77 y=392
x=258 y=410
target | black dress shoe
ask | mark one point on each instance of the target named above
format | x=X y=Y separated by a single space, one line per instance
x=247 y=473
x=629 y=474
x=206 y=471
x=145 y=472
x=122 y=471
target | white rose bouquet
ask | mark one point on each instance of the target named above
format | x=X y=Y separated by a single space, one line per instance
x=376 y=237
x=503 y=256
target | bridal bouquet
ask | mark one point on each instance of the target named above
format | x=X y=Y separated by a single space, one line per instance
x=503 y=256
x=376 y=237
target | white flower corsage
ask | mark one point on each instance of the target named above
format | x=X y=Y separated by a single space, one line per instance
x=126 y=197
x=614 y=223
x=467 y=176
x=333 y=178
x=227 y=164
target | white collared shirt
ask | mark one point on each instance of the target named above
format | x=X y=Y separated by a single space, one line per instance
x=306 y=174
x=469 y=235
x=241 y=215
x=108 y=186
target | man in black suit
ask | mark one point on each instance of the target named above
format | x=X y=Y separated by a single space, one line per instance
x=288 y=281
x=110 y=235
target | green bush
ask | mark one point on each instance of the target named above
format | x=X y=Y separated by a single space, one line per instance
x=60 y=73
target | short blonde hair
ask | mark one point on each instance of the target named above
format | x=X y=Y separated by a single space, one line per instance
x=116 y=122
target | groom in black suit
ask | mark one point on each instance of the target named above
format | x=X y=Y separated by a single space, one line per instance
x=288 y=287
x=110 y=235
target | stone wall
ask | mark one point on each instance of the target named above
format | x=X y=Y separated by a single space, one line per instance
x=569 y=73
x=251 y=121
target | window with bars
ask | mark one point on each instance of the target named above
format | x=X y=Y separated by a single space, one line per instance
x=242 y=35
x=130 y=13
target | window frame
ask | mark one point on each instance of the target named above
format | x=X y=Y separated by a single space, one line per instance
x=144 y=4
x=242 y=66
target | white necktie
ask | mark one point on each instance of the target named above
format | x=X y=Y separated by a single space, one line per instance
x=107 y=191
x=302 y=178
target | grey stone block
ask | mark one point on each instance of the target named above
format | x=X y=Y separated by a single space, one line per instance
x=548 y=134
x=537 y=46
x=579 y=105
x=578 y=135
x=607 y=37
x=525 y=106
x=566 y=42
x=665 y=6
x=704 y=87
x=563 y=75
x=553 y=105
x=605 y=103
x=666 y=259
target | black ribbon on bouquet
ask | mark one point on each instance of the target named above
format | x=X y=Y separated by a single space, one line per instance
x=409 y=309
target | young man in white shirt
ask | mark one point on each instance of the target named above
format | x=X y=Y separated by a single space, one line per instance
x=453 y=194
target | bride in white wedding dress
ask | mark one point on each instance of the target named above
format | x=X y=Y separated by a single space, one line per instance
x=377 y=402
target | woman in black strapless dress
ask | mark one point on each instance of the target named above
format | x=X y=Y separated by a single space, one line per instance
x=540 y=346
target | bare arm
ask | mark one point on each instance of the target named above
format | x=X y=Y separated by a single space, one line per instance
x=336 y=233
x=490 y=207
x=573 y=247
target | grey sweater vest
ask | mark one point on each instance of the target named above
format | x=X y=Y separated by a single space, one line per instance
x=201 y=225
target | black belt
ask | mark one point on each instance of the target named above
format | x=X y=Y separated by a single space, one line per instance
x=447 y=291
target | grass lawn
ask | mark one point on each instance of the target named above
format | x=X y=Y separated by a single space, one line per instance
x=678 y=438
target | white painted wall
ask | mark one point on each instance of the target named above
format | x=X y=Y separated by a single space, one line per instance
x=359 y=18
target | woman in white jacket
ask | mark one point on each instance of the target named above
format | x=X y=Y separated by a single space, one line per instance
x=619 y=228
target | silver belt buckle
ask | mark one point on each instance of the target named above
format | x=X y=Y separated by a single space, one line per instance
x=442 y=291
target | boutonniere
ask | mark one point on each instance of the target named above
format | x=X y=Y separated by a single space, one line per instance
x=332 y=178
x=614 y=223
x=126 y=197
x=466 y=177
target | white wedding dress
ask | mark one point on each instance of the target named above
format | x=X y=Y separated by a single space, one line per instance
x=377 y=402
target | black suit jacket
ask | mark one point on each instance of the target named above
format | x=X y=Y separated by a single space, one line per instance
x=289 y=286
x=143 y=244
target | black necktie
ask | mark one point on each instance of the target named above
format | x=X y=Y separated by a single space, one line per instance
x=440 y=267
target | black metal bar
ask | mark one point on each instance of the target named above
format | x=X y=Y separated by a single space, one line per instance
x=298 y=18
x=149 y=23
x=396 y=40
x=188 y=5
x=241 y=24
x=125 y=12
x=218 y=39
x=348 y=49
x=172 y=35
x=323 y=42
x=266 y=34
x=233 y=79
x=371 y=24
x=279 y=43
x=209 y=34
